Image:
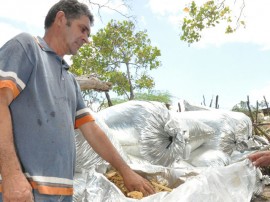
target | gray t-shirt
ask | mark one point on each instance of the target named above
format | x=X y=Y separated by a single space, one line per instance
x=47 y=106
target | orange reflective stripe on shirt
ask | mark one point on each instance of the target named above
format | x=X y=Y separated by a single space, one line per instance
x=11 y=85
x=52 y=190
x=83 y=120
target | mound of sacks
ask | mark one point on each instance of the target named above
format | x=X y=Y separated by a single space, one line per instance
x=200 y=153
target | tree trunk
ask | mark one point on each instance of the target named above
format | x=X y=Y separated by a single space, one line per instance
x=131 y=97
x=108 y=99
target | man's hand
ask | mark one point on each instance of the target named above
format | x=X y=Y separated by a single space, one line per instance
x=134 y=182
x=98 y=141
x=16 y=188
x=260 y=159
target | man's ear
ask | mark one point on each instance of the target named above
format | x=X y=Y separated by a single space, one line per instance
x=60 y=18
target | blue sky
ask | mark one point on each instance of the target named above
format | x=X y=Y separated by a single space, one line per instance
x=230 y=66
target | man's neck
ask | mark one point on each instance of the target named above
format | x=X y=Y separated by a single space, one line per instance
x=55 y=42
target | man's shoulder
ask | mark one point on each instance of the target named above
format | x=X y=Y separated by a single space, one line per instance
x=24 y=35
x=27 y=41
x=24 y=38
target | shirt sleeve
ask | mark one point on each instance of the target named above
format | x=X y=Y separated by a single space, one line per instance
x=83 y=113
x=15 y=66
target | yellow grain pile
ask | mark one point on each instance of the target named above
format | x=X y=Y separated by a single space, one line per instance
x=117 y=179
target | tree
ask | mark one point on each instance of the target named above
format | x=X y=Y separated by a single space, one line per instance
x=208 y=15
x=119 y=55
x=242 y=107
x=151 y=95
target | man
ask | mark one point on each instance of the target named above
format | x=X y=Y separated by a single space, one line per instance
x=260 y=159
x=40 y=104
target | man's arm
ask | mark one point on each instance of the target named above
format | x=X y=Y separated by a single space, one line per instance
x=15 y=186
x=103 y=146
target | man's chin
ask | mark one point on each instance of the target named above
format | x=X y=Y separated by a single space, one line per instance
x=73 y=52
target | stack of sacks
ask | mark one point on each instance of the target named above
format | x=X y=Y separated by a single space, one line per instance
x=236 y=130
x=148 y=130
x=233 y=135
x=165 y=141
x=232 y=132
x=232 y=129
x=126 y=121
x=153 y=127
x=205 y=151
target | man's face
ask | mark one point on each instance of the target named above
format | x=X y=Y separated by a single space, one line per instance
x=76 y=34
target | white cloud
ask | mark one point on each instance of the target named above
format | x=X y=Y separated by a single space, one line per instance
x=28 y=15
x=169 y=7
x=143 y=21
x=22 y=16
x=257 y=94
x=256 y=16
x=7 y=32
x=31 y=12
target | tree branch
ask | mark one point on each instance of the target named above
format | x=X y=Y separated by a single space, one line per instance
x=105 y=5
x=90 y=82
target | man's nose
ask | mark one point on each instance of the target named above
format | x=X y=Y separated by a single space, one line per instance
x=85 y=38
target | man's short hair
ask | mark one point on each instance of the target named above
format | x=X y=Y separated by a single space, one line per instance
x=72 y=9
